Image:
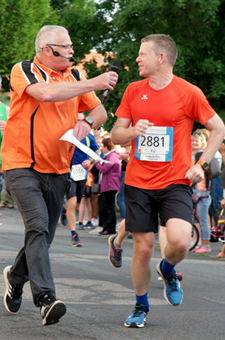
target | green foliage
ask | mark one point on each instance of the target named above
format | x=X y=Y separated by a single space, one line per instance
x=117 y=26
x=85 y=25
x=197 y=26
x=20 y=22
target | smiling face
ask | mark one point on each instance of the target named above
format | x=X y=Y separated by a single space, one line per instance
x=196 y=143
x=147 y=60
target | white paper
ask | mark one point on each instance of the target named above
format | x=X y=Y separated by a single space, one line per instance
x=69 y=137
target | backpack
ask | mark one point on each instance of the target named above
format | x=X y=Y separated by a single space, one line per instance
x=214 y=168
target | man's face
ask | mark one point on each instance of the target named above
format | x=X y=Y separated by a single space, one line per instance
x=97 y=132
x=147 y=61
x=65 y=50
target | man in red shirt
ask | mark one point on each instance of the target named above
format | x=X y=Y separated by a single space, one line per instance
x=46 y=97
x=156 y=115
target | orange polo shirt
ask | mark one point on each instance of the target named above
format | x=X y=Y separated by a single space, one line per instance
x=32 y=133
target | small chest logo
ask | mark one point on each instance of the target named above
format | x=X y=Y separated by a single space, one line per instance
x=144 y=97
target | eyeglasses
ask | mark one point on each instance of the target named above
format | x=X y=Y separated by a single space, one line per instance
x=99 y=128
x=64 y=46
x=197 y=134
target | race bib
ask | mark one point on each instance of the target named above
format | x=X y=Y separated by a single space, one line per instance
x=156 y=145
x=78 y=172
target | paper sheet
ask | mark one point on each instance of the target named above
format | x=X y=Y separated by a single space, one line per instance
x=69 y=137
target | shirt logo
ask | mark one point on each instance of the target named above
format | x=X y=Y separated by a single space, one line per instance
x=145 y=97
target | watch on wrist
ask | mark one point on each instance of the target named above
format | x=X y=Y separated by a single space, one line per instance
x=204 y=165
x=89 y=120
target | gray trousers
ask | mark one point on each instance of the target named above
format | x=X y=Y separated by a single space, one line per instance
x=39 y=198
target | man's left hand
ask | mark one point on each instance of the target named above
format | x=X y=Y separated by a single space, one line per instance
x=195 y=173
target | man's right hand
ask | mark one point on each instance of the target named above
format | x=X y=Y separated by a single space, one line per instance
x=105 y=81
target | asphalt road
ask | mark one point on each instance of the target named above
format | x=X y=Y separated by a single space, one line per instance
x=99 y=297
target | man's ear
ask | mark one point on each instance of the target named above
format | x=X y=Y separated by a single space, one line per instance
x=162 y=58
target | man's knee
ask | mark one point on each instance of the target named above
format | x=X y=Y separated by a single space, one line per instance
x=143 y=249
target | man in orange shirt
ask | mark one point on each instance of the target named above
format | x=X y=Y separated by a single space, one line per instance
x=45 y=100
x=161 y=109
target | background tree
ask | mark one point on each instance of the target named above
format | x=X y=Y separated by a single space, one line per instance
x=197 y=28
x=20 y=21
x=117 y=26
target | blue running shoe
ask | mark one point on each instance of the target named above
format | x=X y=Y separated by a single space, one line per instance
x=137 y=319
x=89 y=225
x=80 y=226
x=75 y=241
x=172 y=289
x=63 y=217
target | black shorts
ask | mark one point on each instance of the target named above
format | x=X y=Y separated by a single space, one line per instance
x=77 y=189
x=145 y=207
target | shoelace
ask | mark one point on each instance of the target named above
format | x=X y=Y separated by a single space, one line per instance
x=117 y=253
x=172 y=281
x=46 y=300
x=139 y=309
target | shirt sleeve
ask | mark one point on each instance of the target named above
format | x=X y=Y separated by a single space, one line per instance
x=22 y=75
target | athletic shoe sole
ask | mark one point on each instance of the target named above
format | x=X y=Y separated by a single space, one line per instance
x=55 y=312
x=77 y=245
x=134 y=325
x=5 y=276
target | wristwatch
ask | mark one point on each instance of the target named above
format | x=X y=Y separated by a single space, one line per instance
x=204 y=165
x=89 y=120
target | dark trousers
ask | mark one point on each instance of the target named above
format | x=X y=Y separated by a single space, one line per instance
x=39 y=198
x=109 y=212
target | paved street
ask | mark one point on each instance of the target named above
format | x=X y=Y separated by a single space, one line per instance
x=99 y=297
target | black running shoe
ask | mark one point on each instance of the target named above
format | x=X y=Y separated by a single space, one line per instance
x=51 y=309
x=63 y=217
x=115 y=254
x=13 y=294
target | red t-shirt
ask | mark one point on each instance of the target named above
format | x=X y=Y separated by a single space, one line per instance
x=177 y=105
x=32 y=133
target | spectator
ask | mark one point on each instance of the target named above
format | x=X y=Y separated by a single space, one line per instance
x=4 y=115
x=198 y=143
x=202 y=199
x=95 y=190
x=80 y=164
x=216 y=192
x=222 y=151
x=110 y=184
x=121 y=198
x=86 y=202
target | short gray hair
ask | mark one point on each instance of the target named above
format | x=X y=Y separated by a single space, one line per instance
x=45 y=35
x=163 y=43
